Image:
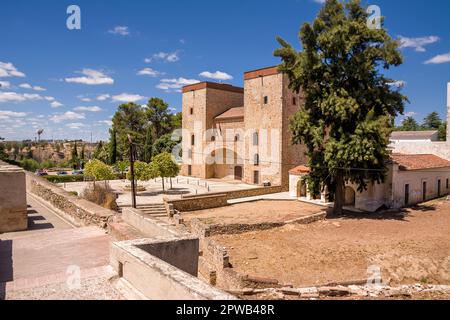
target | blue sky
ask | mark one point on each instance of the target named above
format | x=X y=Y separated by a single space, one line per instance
x=133 y=50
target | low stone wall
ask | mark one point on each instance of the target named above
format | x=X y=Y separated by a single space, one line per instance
x=78 y=211
x=156 y=277
x=198 y=202
x=13 y=201
x=216 y=200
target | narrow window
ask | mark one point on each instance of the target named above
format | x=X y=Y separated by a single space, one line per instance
x=439 y=188
x=255 y=139
x=294 y=101
x=406 y=195
x=193 y=140
x=424 y=191
x=189 y=170
x=190 y=153
x=266 y=99
x=446 y=184
x=256 y=159
x=236 y=138
x=192 y=111
x=213 y=138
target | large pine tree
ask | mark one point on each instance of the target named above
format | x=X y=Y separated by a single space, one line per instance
x=345 y=121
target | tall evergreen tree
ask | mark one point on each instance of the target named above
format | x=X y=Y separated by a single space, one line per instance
x=345 y=121
x=74 y=152
x=409 y=124
x=113 y=147
x=158 y=116
x=148 y=147
x=432 y=121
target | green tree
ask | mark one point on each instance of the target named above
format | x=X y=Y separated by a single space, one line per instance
x=432 y=121
x=98 y=170
x=345 y=121
x=142 y=171
x=101 y=152
x=122 y=166
x=176 y=120
x=409 y=124
x=2 y=149
x=74 y=153
x=164 y=166
x=158 y=116
x=113 y=147
x=165 y=144
x=82 y=156
x=443 y=131
x=148 y=147
x=129 y=120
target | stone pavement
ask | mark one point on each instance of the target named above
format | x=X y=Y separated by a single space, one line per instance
x=38 y=263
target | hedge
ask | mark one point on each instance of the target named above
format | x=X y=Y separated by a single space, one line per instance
x=65 y=178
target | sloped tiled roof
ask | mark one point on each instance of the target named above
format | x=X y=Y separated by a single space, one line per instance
x=413 y=135
x=232 y=113
x=299 y=170
x=408 y=162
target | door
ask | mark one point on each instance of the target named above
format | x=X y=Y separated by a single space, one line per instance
x=406 y=195
x=256 y=177
x=439 y=188
x=238 y=173
x=424 y=191
x=350 y=197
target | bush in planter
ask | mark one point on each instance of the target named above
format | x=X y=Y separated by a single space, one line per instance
x=64 y=179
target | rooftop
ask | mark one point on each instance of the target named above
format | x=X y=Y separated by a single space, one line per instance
x=409 y=162
x=268 y=71
x=414 y=135
x=212 y=85
x=232 y=113
x=299 y=170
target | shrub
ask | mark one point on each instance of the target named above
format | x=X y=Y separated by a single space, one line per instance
x=99 y=170
x=102 y=195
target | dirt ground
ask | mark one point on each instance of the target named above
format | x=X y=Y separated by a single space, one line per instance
x=255 y=212
x=412 y=246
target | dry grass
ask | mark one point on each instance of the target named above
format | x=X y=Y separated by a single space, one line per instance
x=102 y=195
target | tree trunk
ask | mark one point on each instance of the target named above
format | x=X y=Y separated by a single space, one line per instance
x=170 y=183
x=163 y=184
x=339 y=194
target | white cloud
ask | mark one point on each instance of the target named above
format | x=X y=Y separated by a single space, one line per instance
x=18 y=97
x=91 y=77
x=7 y=69
x=84 y=98
x=410 y=114
x=48 y=98
x=105 y=122
x=103 y=97
x=398 y=84
x=5 y=84
x=163 y=56
x=74 y=125
x=69 y=115
x=417 y=43
x=6 y=114
x=170 y=85
x=29 y=86
x=320 y=1
x=120 y=30
x=89 y=109
x=442 y=58
x=149 y=72
x=218 y=75
x=56 y=104
x=126 y=97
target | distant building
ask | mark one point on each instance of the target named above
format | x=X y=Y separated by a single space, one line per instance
x=413 y=136
x=411 y=179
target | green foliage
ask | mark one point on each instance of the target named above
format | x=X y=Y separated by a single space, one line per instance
x=148 y=147
x=443 y=131
x=74 y=153
x=409 y=124
x=158 y=116
x=101 y=152
x=142 y=171
x=64 y=179
x=122 y=166
x=113 y=147
x=165 y=144
x=99 y=170
x=164 y=166
x=30 y=165
x=345 y=120
x=432 y=121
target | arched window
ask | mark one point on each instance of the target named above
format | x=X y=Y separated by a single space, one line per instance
x=255 y=139
x=193 y=140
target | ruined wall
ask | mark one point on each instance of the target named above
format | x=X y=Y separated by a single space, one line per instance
x=13 y=202
x=199 y=202
x=78 y=211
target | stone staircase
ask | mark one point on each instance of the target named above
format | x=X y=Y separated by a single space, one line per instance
x=155 y=210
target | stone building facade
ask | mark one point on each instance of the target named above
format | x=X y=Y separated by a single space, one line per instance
x=241 y=133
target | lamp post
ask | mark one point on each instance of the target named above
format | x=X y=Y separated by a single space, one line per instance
x=133 y=187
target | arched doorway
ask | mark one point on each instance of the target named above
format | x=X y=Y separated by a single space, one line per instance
x=237 y=173
x=350 y=197
x=301 y=189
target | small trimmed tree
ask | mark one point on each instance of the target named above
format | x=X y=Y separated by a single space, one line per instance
x=142 y=171
x=98 y=170
x=122 y=166
x=165 y=167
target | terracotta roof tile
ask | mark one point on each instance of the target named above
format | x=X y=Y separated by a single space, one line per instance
x=299 y=170
x=413 y=135
x=419 y=161
x=231 y=114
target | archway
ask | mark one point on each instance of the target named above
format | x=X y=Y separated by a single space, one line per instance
x=350 y=197
x=301 y=189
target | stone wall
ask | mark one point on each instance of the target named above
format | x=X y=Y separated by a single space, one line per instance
x=199 y=202
x=13 y=202
x=156 y=277
x=78 y=211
